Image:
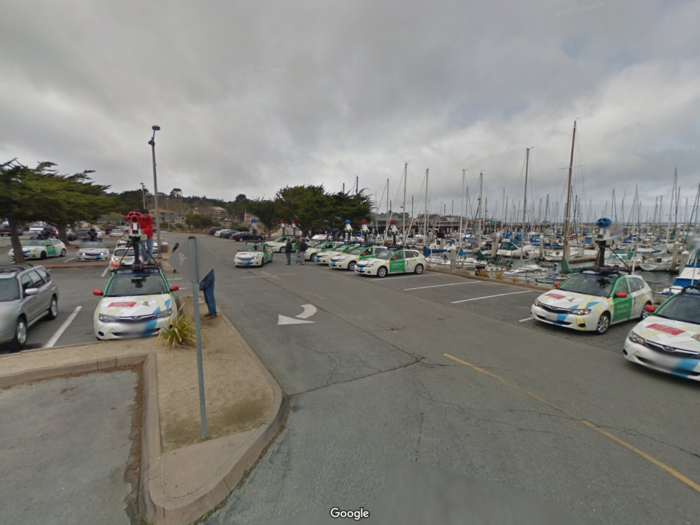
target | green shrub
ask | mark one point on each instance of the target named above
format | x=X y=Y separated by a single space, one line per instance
x=181 y=333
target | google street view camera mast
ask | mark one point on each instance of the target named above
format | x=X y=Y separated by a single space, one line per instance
x=348 y=230
x=603 y=240
x=134 y=236
x=365 y=230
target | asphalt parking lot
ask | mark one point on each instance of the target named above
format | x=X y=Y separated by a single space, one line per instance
x=74 y=324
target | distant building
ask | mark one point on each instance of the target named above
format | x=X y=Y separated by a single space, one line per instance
x=215 y=212
x=166 y=216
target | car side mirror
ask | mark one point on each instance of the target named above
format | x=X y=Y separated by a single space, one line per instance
x=650 y=308
x=556 y=285
x=97 y=292
x=174 y=288
x=621 y=295
x=393 y=258
x=31 y=291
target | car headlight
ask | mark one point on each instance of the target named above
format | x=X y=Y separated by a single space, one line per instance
x=164 y=313
x=635 y=338
x=581 y=312
x=107 y=318
x=538 y=303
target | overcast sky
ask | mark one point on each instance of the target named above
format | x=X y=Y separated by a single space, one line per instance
x=253 y=95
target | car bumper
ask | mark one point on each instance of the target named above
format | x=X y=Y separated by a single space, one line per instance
x=108 y=331
x=251 y=262
x=686 y=367
x=587 y=322
x=366 y=270
x=339 y=265
x=88 y=257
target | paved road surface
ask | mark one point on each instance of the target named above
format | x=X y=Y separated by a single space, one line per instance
x=370 y=384
x=64 y=449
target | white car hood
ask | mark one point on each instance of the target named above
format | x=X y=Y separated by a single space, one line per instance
x=94 y=251
x=677 y=334
x=570 y=300
x=135 y=305
x=246 y=256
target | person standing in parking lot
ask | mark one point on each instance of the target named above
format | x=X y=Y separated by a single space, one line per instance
x=146 y=225
x=298 y=243
x=288 y=250
x=303 y=249
x=207 y=286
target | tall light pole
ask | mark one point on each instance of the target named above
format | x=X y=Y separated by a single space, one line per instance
x=152 y=142
x=143 y=194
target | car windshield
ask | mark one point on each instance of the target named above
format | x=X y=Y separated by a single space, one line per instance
x=116 y=230
x=589 y=284
x=253 y=247
x=92 y=244
x=123 y=251
x=135 y=284
x=384 y=254
x=682 y=307
x=33 y=243
x=357 y=250
x=9 y=290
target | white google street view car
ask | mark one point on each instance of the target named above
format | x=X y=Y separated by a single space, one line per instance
x=593 y=300
x=135 y=303
x=324 y=257
x=41 y=249
x=669 y=339
x=392 y=260
x=93 y=251
x=253 y=254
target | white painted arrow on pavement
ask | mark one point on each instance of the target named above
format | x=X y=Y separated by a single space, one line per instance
x=309 y=310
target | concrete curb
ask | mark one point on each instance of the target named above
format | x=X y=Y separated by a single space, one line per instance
x=159 y=508
x=57 y=266
x=81 y=367
x=493 y=281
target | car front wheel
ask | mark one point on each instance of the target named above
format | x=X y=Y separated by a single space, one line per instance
x=63 y=253
x=351 y=266
x=43 y=255
x=603 y=324
x=20 y=340
x=381 y=272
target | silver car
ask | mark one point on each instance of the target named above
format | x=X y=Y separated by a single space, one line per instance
x=27 y=295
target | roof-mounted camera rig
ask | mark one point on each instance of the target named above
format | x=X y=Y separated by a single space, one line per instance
x=603 y=240
x=134 y=239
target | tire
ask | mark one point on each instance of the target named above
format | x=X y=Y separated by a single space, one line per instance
x=53 y=309
x=63 y=253
x=645 y=314
x=603 y=324
x=351 y=266
x=20 y=339
x=382 y=272
x=43 y=256
x=419 y=269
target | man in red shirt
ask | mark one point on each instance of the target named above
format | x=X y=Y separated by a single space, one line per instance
x=146 y=225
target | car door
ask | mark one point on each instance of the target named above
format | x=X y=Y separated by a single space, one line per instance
x=622 y=306
x=410 y=261
x=31 y=304
x=397 y=263
x=44 y=287
x=637 y=292
x=50 y=248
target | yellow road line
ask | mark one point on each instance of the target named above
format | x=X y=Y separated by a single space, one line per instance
x=590 y=425
x=315 y=295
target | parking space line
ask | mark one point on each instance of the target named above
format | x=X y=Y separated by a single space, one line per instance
x=523 y=320
x=62 y=328
x=490 y=296
x=69 y=259
x=590 y=425
x=105 y=272
x=439 y=285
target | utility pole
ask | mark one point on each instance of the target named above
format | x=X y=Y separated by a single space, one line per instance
x=152 y=142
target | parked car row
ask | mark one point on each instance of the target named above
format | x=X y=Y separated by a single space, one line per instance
x=235 y=235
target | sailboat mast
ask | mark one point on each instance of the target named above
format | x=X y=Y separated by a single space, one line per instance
x=522 y=239
x=481 y=211
x=565 y=256
x=388 y=213
x=461 y=210
x=403 y=227
x=427 y=215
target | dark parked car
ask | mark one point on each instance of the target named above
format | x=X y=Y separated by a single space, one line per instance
x=213 y=229
x=6 y=231
x=247 y=236
x=230 y=234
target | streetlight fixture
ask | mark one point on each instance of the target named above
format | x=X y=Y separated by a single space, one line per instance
x=152 y=142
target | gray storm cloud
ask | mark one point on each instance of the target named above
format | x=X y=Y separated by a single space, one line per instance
x=252 y=96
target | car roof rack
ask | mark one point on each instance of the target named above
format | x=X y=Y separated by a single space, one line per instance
x=14 y=269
